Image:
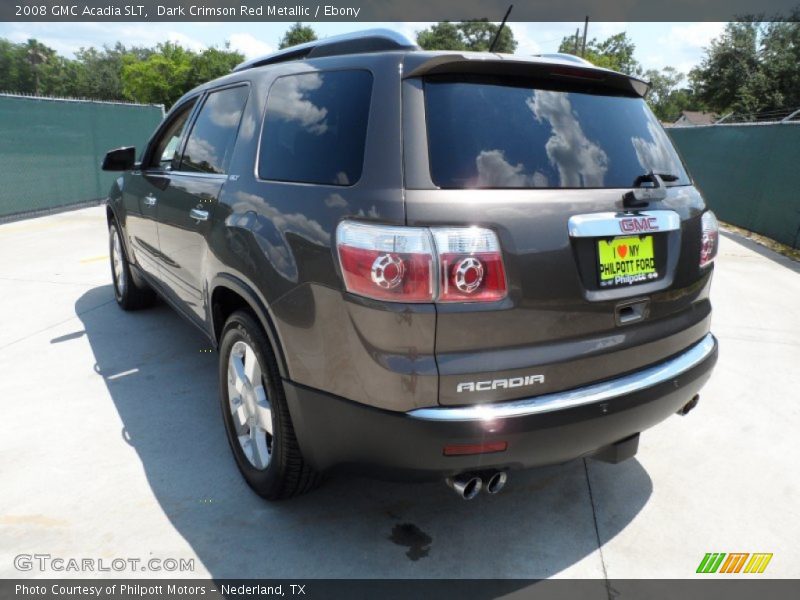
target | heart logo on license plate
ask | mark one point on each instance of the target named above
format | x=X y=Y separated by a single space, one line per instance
x=623 y=251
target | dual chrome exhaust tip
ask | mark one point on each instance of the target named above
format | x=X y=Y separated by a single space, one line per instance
x=469 y=485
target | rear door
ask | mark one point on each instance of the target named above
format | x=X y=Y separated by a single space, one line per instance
x=597 y=287
x=186 y=207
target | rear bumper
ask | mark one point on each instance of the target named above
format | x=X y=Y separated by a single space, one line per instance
x=548 y=429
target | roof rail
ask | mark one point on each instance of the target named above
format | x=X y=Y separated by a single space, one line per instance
x=369 y=40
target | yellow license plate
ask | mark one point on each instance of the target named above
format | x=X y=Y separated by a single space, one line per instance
x=626 y=260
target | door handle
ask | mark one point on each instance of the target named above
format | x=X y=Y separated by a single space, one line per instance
x=150 y=200
x=199 y=215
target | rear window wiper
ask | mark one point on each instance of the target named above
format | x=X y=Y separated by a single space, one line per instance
x=646 y=188
x=668 y=177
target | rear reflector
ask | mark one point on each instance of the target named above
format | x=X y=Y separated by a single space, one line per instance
x=485 y=448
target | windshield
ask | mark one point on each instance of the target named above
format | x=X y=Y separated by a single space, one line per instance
x=489 y=135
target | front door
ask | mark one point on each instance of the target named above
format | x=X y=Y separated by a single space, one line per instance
x=146 y=186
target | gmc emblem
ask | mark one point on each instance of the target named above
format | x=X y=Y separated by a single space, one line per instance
x=637 y=224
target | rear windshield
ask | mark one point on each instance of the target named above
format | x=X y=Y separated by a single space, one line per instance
x=489 y=135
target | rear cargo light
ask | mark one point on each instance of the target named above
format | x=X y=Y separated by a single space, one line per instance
x=709 y=243
x=399 y=264
x=470 y=265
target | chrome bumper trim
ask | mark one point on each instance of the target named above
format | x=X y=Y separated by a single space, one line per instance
x=598 y=392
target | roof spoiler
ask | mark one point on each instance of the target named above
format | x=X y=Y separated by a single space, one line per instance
x=508 y=66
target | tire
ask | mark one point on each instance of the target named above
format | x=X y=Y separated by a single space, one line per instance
x=128 y=293
x=255 y=413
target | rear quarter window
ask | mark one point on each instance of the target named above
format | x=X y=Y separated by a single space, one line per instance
x=315 y=127
x=489 y=135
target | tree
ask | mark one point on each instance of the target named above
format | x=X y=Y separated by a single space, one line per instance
x=442 y=36
x=99 y=72
x=37 y=55
x=752 y=67
x=297 y=34
x=26 y=67
x=162 y=78
x=615 y=52
x=476 y=36
x=667 y=97
x=159 y=75
x=212 y=63
x=729 y=78
x=168 y=72
x=780 y=54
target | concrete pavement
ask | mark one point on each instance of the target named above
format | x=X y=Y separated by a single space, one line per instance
x=111 y=446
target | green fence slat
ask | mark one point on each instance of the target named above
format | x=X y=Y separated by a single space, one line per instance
x=747 y=174
x=51 y=150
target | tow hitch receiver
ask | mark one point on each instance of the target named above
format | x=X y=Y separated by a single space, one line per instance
x=618 y=451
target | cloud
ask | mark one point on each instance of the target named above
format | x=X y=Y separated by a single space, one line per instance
x=249 y=45
x=410 y=28
x=580 y=162
x=494 y=171
x=201 y=151
x=681 y=46
x=270 y=226
x=225 y=110
x=693 y=35
x=289 y=102
x=67 y=40
x=655 y=155
x=144 y=34
x=527 y=45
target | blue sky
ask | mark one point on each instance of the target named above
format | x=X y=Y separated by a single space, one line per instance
x=657 y=44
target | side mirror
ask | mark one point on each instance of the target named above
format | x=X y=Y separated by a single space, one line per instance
x=120 y=159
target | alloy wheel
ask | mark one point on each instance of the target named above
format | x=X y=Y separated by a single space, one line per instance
x=117 y=263
x=249 y=405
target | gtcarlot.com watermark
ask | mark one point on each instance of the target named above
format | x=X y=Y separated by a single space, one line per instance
x=46 y=563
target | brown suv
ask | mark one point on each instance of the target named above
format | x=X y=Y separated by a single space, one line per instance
x=423 y=264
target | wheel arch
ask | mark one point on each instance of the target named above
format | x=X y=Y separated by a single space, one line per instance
x=228 y=294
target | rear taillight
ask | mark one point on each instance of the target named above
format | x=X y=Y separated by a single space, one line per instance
x=470 y=265
x=386 y=263
x=416 y=264
x=709 y=242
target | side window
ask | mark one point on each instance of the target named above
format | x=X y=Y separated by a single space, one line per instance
x=315 y=128
x=211 y=141
x=167 y=145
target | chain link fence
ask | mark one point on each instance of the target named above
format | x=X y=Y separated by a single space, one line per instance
x=51 y=148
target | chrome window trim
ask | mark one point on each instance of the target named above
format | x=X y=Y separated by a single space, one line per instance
x=599 y=392
x=607 y=224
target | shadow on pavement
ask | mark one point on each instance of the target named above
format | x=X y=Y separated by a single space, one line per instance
x=163 y=382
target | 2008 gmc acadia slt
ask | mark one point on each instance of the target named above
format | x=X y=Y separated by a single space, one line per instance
x=423 y=264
